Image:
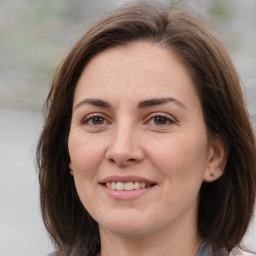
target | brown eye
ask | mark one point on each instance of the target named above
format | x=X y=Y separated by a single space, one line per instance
x=94 y=120
x=160 y=120
x=97 y=120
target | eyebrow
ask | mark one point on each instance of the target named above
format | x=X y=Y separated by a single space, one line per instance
x=159 y=101
x=141 y=105
x=95 y=102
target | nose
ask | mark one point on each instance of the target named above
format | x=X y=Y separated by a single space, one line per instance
x=125 y=147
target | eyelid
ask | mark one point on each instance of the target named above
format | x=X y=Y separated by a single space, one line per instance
x=167 y=116
x=84 y=120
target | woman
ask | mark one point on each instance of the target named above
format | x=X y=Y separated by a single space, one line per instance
x=147 y=147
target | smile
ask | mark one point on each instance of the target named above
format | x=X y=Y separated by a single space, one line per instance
x=127 y=185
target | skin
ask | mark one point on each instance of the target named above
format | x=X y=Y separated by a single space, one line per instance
x=166 y=143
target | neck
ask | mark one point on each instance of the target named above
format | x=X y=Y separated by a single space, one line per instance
x=164 y=243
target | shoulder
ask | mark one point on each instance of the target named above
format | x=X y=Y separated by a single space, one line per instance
x=206 y=250
x=52 y=254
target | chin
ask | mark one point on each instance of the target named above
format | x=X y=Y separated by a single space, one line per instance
x=127 y=226
x=128 y=231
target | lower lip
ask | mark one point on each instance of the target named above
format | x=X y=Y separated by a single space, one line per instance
x=126 y=194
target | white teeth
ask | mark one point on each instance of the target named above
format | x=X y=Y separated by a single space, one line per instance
x=126 y=185
x=113 y=185
x=119 y=185
x=136 y=185
x=142 y=185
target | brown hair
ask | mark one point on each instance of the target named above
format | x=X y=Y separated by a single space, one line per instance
x=226 y=205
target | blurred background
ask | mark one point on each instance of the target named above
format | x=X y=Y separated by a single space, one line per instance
x=35 y=35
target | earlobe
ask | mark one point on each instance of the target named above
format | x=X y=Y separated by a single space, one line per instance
x=216 y=164
x=71 y=169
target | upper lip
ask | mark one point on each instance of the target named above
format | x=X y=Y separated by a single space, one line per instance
x=125 y=179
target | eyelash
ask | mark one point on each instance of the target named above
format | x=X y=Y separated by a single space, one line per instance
x=162 y=115
x=91 y=117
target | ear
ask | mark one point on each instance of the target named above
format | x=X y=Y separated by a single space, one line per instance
x=71 y=169
x=218 y=155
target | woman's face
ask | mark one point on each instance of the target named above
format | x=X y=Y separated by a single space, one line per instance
x=138 y=143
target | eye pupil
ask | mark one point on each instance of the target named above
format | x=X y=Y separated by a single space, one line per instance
x=97 y=120
x=159 y=120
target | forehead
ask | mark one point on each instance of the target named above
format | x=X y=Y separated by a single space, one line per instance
x=143 y=54
x=140 y=68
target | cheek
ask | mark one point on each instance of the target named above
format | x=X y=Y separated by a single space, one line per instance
x=181 y=160
x=84 y=159
x=85 y=154
x=181 y=166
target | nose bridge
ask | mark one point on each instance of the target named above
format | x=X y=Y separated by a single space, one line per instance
x=123 y=139
x=125 y=145
x=125 y=131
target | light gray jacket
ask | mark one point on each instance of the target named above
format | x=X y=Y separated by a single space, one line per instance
x=205 y=250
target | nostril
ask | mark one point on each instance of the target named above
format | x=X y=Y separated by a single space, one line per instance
x=112 y=160
x=122 y=162
x=131 y=160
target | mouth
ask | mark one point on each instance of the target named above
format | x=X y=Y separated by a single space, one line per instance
x=128 y=186
x=127 y=183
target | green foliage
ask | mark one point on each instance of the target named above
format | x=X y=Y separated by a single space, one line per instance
x=221 y=9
